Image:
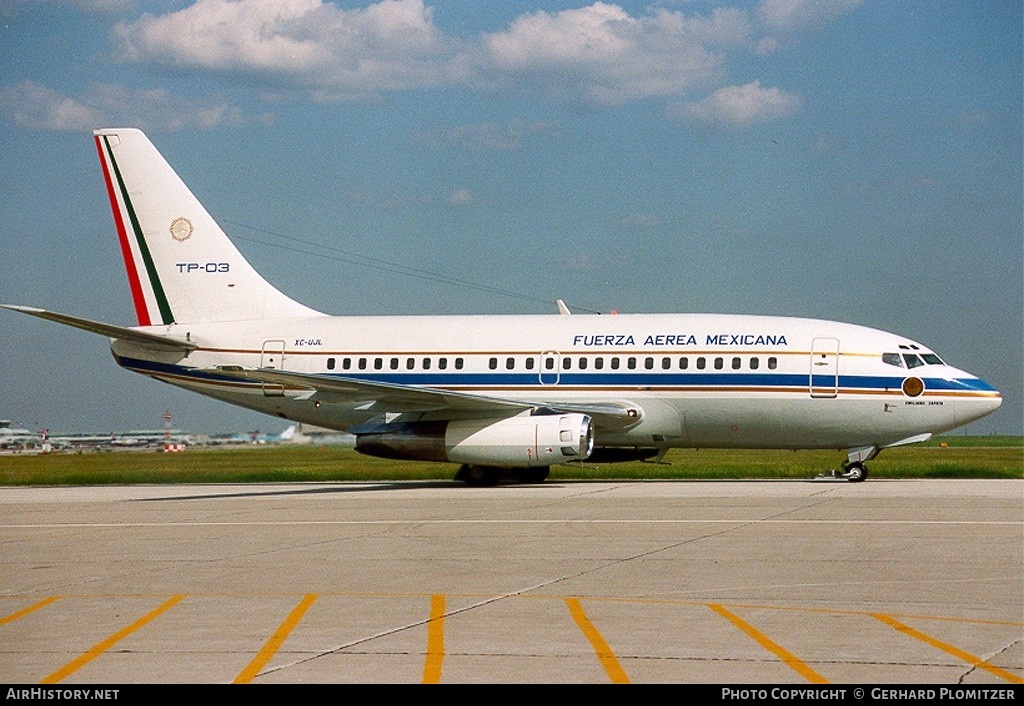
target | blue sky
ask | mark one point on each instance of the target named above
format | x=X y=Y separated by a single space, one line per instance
x=851 y=160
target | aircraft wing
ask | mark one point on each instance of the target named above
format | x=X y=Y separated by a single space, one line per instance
x=393 y=397
x=150 y=340
x=384 y=396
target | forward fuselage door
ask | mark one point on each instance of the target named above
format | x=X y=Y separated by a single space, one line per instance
x=824 y=375
x=272 y=357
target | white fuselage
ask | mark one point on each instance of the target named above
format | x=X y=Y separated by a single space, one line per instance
x=697 y=380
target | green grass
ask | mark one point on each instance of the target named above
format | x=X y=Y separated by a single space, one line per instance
x=947 y=457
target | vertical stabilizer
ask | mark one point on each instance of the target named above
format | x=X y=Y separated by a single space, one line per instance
x=182 y=268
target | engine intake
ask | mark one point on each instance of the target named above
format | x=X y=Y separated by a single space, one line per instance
x=513 y=442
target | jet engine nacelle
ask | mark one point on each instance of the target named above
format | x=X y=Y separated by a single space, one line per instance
x=513 y=442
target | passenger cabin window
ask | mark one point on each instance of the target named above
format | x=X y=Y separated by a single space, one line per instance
x=773 y=363
x=330 y=363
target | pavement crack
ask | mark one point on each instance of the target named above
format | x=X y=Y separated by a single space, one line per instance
x=988 y=659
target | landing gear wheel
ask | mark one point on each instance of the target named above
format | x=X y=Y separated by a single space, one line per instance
x=478 y=476
x=855 y=472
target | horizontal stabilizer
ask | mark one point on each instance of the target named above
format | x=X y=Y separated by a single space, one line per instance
x=150 y=340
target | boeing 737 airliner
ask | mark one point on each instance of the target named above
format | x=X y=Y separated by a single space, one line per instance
x=504 y=396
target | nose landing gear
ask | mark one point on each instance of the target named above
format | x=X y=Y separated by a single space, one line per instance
x=854 y=472
x=854 y=469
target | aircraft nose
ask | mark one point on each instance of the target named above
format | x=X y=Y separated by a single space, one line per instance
x=994 y=403
x=985 y=400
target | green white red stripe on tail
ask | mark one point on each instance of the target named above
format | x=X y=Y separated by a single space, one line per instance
x=143 y=279
x=181 y=266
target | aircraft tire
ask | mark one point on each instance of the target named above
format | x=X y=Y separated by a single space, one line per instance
x=479 y=476
x=531 y=475
x=856 y=472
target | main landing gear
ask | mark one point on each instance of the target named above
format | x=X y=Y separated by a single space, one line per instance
x=484 y=476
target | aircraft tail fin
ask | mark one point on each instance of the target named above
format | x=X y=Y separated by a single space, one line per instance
x=181 y=266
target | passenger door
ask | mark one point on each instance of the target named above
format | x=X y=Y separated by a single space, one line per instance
x=824 y=374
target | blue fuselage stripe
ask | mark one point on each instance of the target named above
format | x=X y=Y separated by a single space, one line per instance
x=604 y=379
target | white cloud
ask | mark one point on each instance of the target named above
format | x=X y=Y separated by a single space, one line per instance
x=485 y=137
x=793 y=15
x=461 y=197
x=642 y=220
x=601 y=54
x=38 y=107
x=391 y=45
x=743 y=106
x=598 y=54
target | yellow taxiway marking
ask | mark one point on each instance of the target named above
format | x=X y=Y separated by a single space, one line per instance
x=275 y=641
x=25 y=611
x=778 y=650
x=435 y=641
x=101 y=647
x=956 y=652
x=601 y=648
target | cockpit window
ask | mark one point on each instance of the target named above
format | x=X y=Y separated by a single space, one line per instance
x=912 y=360
x=892 y=359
